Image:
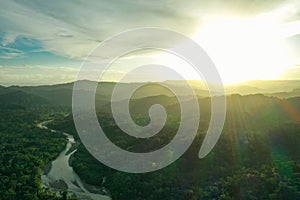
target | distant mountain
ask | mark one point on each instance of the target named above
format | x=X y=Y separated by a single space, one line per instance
x=275 y=85
x=19 y=99
x=277 y=88
x=4 y=90
x=61 y=94
x=293 y=93
x=243 y=89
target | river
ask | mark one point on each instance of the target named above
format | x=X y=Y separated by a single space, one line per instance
x=61 y=176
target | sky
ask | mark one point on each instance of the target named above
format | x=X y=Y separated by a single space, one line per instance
x=45 y=42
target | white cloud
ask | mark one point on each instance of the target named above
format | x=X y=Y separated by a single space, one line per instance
x=74 y=28
x=8 y=53
x=36 y=74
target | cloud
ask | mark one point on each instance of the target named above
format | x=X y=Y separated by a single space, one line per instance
x=71 y=29
x=36 y=74
x=8 y=39
x=9 y=53
x=74 y=28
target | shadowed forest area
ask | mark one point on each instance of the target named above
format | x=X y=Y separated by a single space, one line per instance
x=256 y=157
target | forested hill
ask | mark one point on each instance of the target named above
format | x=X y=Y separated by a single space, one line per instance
x=256 y=157
x=26 y=149
x=61 y=94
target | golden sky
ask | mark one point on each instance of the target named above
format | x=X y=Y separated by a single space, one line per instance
x=45 y=42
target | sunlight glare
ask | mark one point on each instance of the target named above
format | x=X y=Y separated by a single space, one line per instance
x=244 y=49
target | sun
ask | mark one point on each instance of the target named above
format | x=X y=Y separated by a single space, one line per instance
x=244 y=49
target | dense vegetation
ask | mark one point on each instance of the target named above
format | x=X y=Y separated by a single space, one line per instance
x=25 y=150
x=257 y=156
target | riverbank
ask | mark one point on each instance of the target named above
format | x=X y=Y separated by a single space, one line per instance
x=58 y=175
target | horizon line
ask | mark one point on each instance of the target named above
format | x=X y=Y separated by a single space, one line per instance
x=111 y=81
